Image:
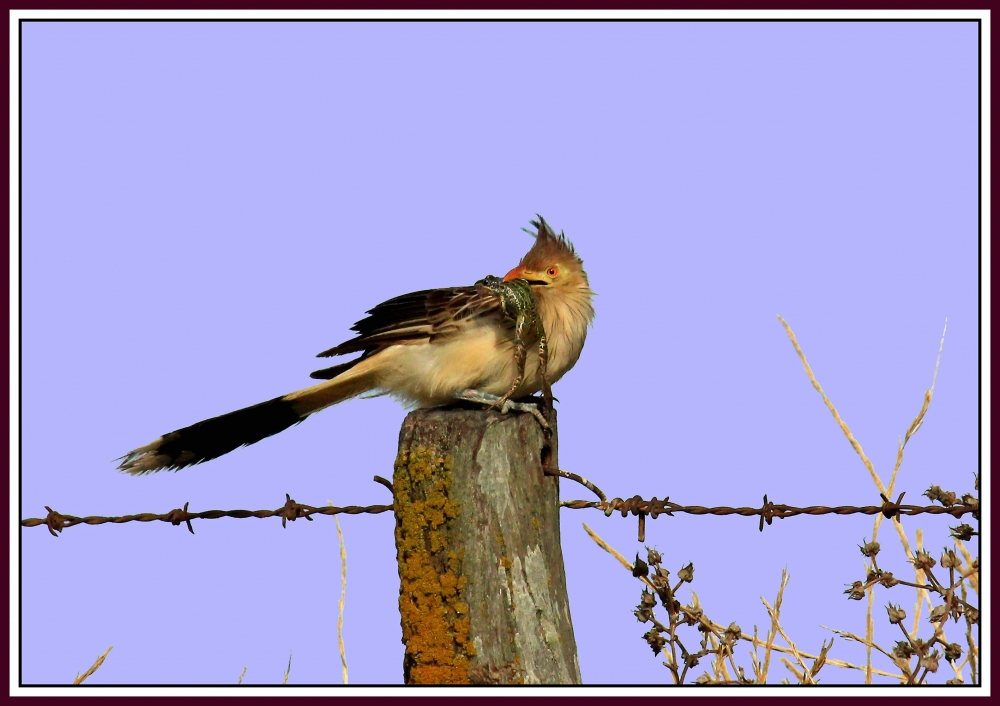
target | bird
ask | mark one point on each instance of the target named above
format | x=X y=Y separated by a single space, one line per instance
x=427 y=349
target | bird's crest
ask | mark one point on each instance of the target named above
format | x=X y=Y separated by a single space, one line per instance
x=548 y=246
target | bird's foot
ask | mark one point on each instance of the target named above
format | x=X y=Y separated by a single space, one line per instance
x=504 y=404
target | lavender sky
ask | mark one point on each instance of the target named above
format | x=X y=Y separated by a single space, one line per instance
x=206 y=206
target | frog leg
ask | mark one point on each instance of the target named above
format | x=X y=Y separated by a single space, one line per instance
x=520 y=354
x=543 y=360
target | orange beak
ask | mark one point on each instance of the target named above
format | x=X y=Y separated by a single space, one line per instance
x=514 y=274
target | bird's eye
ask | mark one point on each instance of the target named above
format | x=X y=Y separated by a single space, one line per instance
x=552 y=271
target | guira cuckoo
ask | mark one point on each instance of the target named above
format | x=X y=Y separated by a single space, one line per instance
x=426 y=348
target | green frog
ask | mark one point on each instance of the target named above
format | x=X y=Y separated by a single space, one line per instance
x=518 y=305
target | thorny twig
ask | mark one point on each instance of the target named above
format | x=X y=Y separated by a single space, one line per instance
x=80 y=678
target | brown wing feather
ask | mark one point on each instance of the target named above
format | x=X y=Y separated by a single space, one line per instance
x=424 y=315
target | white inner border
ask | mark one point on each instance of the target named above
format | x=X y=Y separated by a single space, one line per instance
x=985 y=350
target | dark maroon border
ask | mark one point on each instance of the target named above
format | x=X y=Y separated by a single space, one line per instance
x=804 y=11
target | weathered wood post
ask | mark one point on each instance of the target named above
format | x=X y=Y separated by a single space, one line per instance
x=482 y=585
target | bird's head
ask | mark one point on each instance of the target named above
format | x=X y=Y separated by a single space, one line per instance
x=552 y=264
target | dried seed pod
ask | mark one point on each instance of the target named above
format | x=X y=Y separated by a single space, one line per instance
x=938 y=614
x=655 y=640
x=953 y=652
x=641 y=568
x=653 y=557
x=963 y=532
x=869 y=548
x=923 y=560
x=856 y=592
x=896 y=614
x=930 y=662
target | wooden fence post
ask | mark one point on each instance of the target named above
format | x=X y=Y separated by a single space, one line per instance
x=482 y=584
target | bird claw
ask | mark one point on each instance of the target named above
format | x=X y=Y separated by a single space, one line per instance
x=505 y=404
x=529 y=407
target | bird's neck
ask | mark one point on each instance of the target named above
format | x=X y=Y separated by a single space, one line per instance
x=566 y=313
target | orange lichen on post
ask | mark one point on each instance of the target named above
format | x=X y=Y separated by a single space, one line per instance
x=434 y=618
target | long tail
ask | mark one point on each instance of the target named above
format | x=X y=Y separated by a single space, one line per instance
x=214 y=437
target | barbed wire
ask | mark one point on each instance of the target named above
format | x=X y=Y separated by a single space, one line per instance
x=636 y=506
x=291 y=510
x=641 y=508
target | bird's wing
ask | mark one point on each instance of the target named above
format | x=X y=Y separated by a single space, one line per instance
x=422 y=316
